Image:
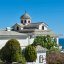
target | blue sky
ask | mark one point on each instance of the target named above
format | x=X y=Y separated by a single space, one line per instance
x=48 y=11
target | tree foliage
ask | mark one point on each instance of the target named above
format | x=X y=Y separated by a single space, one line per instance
x=11 y=52
x=53 y=49
x=45 y=41
x=30 y=53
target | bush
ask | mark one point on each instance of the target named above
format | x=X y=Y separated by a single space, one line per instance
x=55 y=58
x=11 y=52
x=30 y=53
x=45 y=41
x=54 y=50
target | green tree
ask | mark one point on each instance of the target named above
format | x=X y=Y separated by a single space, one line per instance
x=11 y=52
x=44 y=41
x=30 y=53
x=39 y=40
x=53 y=50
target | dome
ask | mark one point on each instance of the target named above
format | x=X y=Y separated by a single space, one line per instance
x=25 y=16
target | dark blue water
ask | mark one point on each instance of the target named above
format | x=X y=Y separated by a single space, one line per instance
x=61 y=42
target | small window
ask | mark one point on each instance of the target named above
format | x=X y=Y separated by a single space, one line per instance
x=25 y=21
x=21 y=21
x=42 y=27
x=17 y=28
x=41 y=59
x=28 y=21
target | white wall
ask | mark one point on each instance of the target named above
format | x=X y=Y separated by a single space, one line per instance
x=44 y=56
x=30 y=62
x=23 y=42
x=57 y=40
x=45 y=28
x=31 y=40
x=2 y=43
x=40 y=27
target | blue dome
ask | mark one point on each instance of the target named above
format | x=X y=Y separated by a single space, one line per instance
x=25 y=16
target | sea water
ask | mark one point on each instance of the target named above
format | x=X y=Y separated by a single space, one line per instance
x=61 y=42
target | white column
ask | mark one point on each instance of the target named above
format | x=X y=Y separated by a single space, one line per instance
x=28 y=40
x=57 y=40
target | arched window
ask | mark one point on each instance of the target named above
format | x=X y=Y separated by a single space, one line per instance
x=25 y=21
x=21 y=21
x=28 y=21
x=17 y=28
x=41 y=59
x=42 y=27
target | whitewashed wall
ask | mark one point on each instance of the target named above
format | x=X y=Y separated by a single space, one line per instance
x=31 y=40
x=30 y=62
x=44 y=58
x=57 y=40
x=45 y=28
x=23 y=42
x=2 y=43
x=40 y=27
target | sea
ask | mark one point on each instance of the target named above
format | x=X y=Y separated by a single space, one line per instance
x=61 y=42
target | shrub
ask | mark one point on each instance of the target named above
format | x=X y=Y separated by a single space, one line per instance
x=45 y=41
x=11 y=52
x=55 y=58
x=30 y=53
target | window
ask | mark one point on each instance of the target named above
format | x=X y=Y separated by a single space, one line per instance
x=28 y=21
x=17 y=28
x=25 y=21
x=42 y=27
x=41 y=59
x=21 y=21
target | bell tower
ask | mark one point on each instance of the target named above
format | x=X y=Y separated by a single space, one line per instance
x=25 y=19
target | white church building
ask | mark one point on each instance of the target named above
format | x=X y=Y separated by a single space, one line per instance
x=25 y=32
